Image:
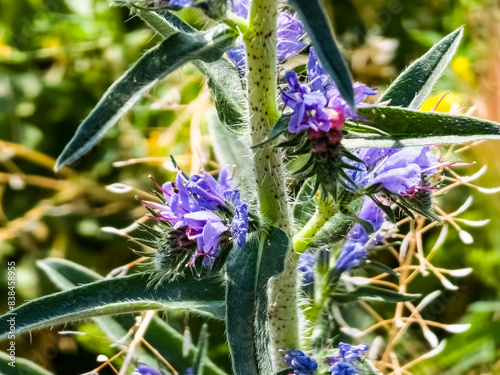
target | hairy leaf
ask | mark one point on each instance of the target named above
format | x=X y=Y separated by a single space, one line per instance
x=416 y=82
x=248 y=273
x=160 y=335
x=416 y=128
x=178 y=49
x=318 y=28
x=304 y=206
x=118 y=296
x=223 y=79
x=21 y=366
x=371 y=293
x=337 y=228
x=231 y=149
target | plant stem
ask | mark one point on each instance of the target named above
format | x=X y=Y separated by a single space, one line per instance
x=325 y=210
x=260 y=40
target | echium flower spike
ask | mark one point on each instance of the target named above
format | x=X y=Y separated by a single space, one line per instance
x=203 y=217
x=319 y=113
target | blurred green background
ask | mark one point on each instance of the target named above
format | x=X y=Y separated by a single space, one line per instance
x=57 y=57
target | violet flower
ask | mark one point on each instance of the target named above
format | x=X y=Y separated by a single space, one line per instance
x=145 y=370
x=399 y=171
x=200 y=207
x=306 y=267
x=300 y=363
x=320 y=105
x=355 y=248
x=342 y=363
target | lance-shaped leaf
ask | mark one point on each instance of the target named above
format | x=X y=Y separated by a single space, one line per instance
x=223 y=79
x=248 y=272
x=318 y=28
x=231 y=149
x=21 y=366
x=117 y=296
x=416 y=128
x=416 y=82
x=178 y=49
x=169 y=343
x=371 y=293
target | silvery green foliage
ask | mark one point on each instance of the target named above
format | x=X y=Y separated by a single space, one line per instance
x=238 y=293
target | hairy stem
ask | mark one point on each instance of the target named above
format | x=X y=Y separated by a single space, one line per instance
x=324 y=211
x=260 y=40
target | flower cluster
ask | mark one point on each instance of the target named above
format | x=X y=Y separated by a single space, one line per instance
x=401 y=171
x=199 y=211
x=342 y=363
x=319 y=113
x=319 y=105
x=394 y=172
x=300 y=363
x=288 y=34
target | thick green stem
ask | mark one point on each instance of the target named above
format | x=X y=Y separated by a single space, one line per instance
x=260 y=40
x=324 y=211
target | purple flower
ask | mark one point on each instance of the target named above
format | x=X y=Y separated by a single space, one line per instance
x=205 y=227
x=239 y=223
x=397 y=170
x=319 y=106
x=343 y=361
x=288 y=34
x=189 y=371
x=200 y=207
x=306 y=267
x=355 y=248
x=351 y=255
x=308 y=107
x=320 y=81
x=299 y=362
x=145 y=370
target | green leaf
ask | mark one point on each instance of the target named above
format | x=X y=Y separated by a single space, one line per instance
x=318 y=28
x=22 y=366
x=416 y=82
x=248 y=272
x=304 y=206
x=118 y=296
x=178 y=49
x=370 y=293
x=202 y=351
x=416 y=128
x=223 y=79
x=231 y=149
x=338 y=226
x=160 y=335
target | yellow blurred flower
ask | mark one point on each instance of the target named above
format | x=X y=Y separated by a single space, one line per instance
x=448 y=99
x=461 y=66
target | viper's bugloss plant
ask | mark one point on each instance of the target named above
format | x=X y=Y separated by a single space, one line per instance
x=285 y=249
